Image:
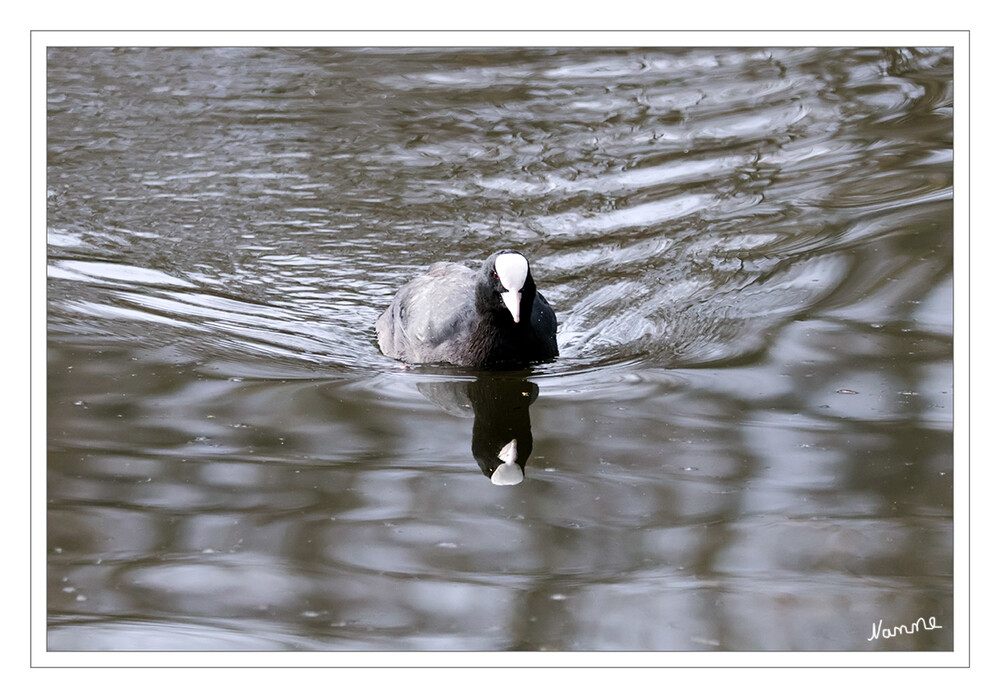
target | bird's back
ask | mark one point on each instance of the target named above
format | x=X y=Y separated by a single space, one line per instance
x=430 y=318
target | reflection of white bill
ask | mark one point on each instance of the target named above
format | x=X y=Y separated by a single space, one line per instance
x=508 y=472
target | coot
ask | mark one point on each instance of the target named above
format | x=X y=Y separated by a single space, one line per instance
x=490 y=318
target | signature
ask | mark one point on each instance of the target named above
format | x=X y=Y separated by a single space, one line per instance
x=879 y=631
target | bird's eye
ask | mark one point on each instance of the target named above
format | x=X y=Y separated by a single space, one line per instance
x=495 y=275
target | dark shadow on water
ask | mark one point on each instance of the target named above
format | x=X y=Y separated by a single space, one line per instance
x=501 y=432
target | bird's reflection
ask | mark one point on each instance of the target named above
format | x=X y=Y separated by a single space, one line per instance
x=501 y=432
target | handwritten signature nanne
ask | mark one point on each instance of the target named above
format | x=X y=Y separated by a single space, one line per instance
x=878 y=631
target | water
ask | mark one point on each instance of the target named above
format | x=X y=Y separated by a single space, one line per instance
x=746 y=443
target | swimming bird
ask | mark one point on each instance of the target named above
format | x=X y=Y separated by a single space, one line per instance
x=491 y=318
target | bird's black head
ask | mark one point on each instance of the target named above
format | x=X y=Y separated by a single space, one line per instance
x=506 y=283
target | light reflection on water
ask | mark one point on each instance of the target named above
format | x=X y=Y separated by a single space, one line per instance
x=745 y=445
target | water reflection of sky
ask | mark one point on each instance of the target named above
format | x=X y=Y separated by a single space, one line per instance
x=745 y=445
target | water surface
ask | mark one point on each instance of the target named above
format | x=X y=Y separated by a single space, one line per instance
x=746 y=443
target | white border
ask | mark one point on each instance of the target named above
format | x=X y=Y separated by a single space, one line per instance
x=40 y=657
x=502 y=38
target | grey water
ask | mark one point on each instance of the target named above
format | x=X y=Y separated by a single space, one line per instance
x=745 y=444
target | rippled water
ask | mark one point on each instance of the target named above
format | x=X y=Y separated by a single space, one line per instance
x=746 y=443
